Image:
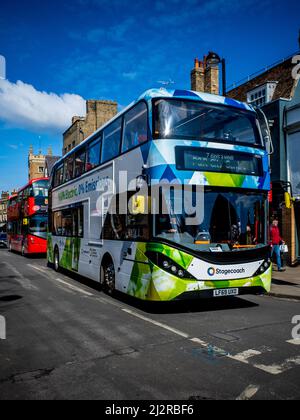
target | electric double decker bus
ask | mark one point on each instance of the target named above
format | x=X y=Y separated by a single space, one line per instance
x=169 y=200
x=27 y=216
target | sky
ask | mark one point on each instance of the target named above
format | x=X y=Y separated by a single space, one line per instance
x=61 y=52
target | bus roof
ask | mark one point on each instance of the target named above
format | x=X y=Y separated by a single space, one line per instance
x=31 y=182
x=197 y=96
x=164 y=93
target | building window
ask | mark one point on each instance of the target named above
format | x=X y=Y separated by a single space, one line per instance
x=41 y=169
x=262 y=95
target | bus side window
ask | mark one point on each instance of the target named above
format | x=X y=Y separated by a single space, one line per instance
x=59 y=175
x=111 y=140
x=69 y=165
x=135 y=127
x=93 y=155
x=80 y=163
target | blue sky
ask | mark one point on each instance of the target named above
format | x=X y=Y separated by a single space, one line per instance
x=116 y=49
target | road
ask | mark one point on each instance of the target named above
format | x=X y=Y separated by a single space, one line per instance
x=67 y=340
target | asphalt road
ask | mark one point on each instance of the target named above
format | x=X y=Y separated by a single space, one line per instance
x=67 y=340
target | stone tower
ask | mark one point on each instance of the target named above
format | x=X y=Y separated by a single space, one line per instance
x=36 y=164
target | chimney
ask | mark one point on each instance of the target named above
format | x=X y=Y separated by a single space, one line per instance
x=75 y=119
x=212 y=84
x=197 y=76
x=205 y=75
x=212 y=73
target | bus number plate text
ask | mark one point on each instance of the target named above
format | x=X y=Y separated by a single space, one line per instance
x=226 y=292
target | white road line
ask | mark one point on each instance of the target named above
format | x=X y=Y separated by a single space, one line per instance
x=281 y=368
x=245 y=356
x=23 y=281
x=158 y=324
x=42 y=270
x=70 y=286
x=294 y=342
x=198 y=341
x=249 y=393
x=74 y=288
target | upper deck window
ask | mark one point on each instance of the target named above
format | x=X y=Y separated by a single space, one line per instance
x=112 y=140
x=40 y=188
x=135 y=127
x=190 y=120
x=93 y=154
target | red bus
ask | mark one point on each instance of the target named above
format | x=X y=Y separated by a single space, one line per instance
x=27 y=218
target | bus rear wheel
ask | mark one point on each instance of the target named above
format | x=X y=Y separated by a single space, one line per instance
x=56 y=260
x=108 y=277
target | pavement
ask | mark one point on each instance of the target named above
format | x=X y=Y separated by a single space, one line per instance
x=286 y=284
x=65 y=339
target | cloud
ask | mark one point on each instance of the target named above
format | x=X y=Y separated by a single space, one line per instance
x=25 y=107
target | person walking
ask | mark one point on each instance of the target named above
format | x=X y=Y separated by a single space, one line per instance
x=276 y=241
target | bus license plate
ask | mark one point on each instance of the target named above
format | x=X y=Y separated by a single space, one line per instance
x=226 y=292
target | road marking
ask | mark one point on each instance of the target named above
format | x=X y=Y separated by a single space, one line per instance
x=70 y=286
x=198 y=341
x=283 y=367
x=294 y=342
x=158 y=324
x=42 y=270
x=74 y=288
x=23 y=281
x=245 y=356
x=249 y=393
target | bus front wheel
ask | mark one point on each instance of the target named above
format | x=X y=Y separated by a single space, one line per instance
x=108 y=277
x=56 y=260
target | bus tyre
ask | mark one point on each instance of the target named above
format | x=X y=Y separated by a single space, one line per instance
x=108 y=277
x=56 y=260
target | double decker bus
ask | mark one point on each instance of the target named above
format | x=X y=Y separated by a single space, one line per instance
x=27 y=217
x=169 y=200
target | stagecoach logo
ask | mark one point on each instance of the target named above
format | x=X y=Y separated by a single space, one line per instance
x=226 y=272
x=211 y=271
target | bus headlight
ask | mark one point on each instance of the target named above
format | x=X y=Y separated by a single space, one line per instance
x=169 y=265
x=263 y=268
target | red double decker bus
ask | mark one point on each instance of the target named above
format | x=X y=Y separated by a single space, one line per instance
x=27 y=218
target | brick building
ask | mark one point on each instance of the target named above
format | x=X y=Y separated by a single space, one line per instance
x=3 y=208
x=97 y=114
x=276 y=91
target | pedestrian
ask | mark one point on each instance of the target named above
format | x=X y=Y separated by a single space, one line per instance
x=276 y=241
